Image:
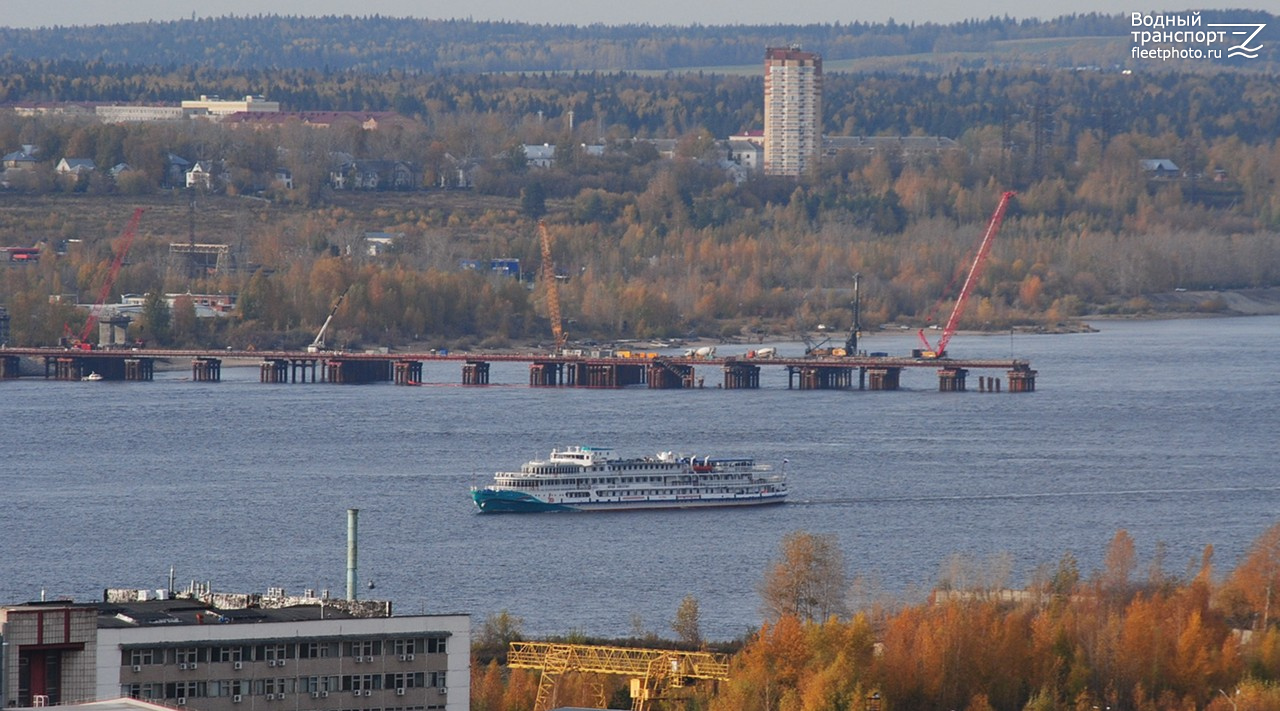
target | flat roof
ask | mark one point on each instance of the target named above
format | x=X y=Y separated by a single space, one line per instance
x=120 y=704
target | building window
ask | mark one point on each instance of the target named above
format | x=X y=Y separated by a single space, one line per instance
x=366 y=648
x=361 y=682
x=273 y=652
x=186 y=655
x=139 y=657
x=436 y=645
x=316 y=650
x=184 y=689
x=411 y=680
x=230 y=654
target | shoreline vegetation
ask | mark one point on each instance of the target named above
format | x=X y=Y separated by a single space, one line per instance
x=1116 y=638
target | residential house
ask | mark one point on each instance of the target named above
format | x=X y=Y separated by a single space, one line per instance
x=1159 y=168
x=176 y=168
x=200 y=175
x=375 y=175
x=74 y=166
x=747 y=149
x=21 y=159
x=377 y=243
x=543 y=156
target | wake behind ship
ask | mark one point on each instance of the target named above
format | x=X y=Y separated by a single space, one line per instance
x=596 y=479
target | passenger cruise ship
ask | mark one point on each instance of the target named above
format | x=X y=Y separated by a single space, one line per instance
x=596 y=479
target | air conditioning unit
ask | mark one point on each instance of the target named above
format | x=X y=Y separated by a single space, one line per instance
x=235 y=699
x=315 y=694
x=238 y=665
x=182 y=666
x=368 y=692
x=410 y=656
x=271 y=663
x=324 y=694
x=137 y=667
x=193 y=665
x=356 y=692
x=281 y=662
x=359 y=659
x=404 y=657
x=182 y=701
x=444 y=690
x=400 y=691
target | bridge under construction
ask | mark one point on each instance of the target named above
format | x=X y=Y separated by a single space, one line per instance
x=591 y=370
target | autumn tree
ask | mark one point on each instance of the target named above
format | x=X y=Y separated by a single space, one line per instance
x=807 y=580
x=1118 y=565
x=496 y=634
x=1257 y=579
x=687 y=623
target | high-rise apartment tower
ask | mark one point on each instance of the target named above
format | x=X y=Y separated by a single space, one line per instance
x=792 y=110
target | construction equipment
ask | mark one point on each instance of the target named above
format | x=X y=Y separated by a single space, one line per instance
x=318 y=344
x=653 y=672
x=851 y=343
x=126 y=240
x=553 y=291
x=970 y=281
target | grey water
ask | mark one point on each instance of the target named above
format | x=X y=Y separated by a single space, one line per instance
x=1167 y=429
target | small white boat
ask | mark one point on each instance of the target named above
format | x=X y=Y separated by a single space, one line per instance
x=94 y=376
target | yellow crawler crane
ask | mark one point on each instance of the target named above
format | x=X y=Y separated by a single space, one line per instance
x=652 y=671
x=553 y=291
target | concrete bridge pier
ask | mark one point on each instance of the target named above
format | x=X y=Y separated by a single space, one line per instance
x=1022 y=379
x=408 y=372
x=206 y=370
x=475 y=372
x=952 y=380
x=884 y=378
x=139 y=369
x=274 y=371
x=546 y=374
x=9 y=367
x=741 y=376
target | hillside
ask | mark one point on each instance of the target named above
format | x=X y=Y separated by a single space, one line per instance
x=375 y=44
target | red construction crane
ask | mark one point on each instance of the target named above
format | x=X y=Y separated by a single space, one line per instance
x=970 y=281
x=126 y=239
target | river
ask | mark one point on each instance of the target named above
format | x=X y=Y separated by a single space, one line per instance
x=1164 y=428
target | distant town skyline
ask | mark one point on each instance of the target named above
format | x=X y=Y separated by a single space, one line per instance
x=20 y=13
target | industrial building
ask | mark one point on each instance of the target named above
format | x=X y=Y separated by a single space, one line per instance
x=233 y=652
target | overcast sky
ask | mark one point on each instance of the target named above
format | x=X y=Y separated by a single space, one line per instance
x=33 y=13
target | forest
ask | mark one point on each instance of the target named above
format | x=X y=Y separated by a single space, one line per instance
x=1123 y=637
x=645 y=245
x=376 y=44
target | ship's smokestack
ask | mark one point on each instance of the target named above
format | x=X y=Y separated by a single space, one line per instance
x=353 y=525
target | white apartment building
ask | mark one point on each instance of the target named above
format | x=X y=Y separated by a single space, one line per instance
x=792 y=110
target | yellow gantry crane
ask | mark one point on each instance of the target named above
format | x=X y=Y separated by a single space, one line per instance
x=553 y=291
x=652 y=671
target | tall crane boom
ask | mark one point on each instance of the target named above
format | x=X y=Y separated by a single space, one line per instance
x=126 y=240
x=970 y=281
x=318 y=344
x=553 y=291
